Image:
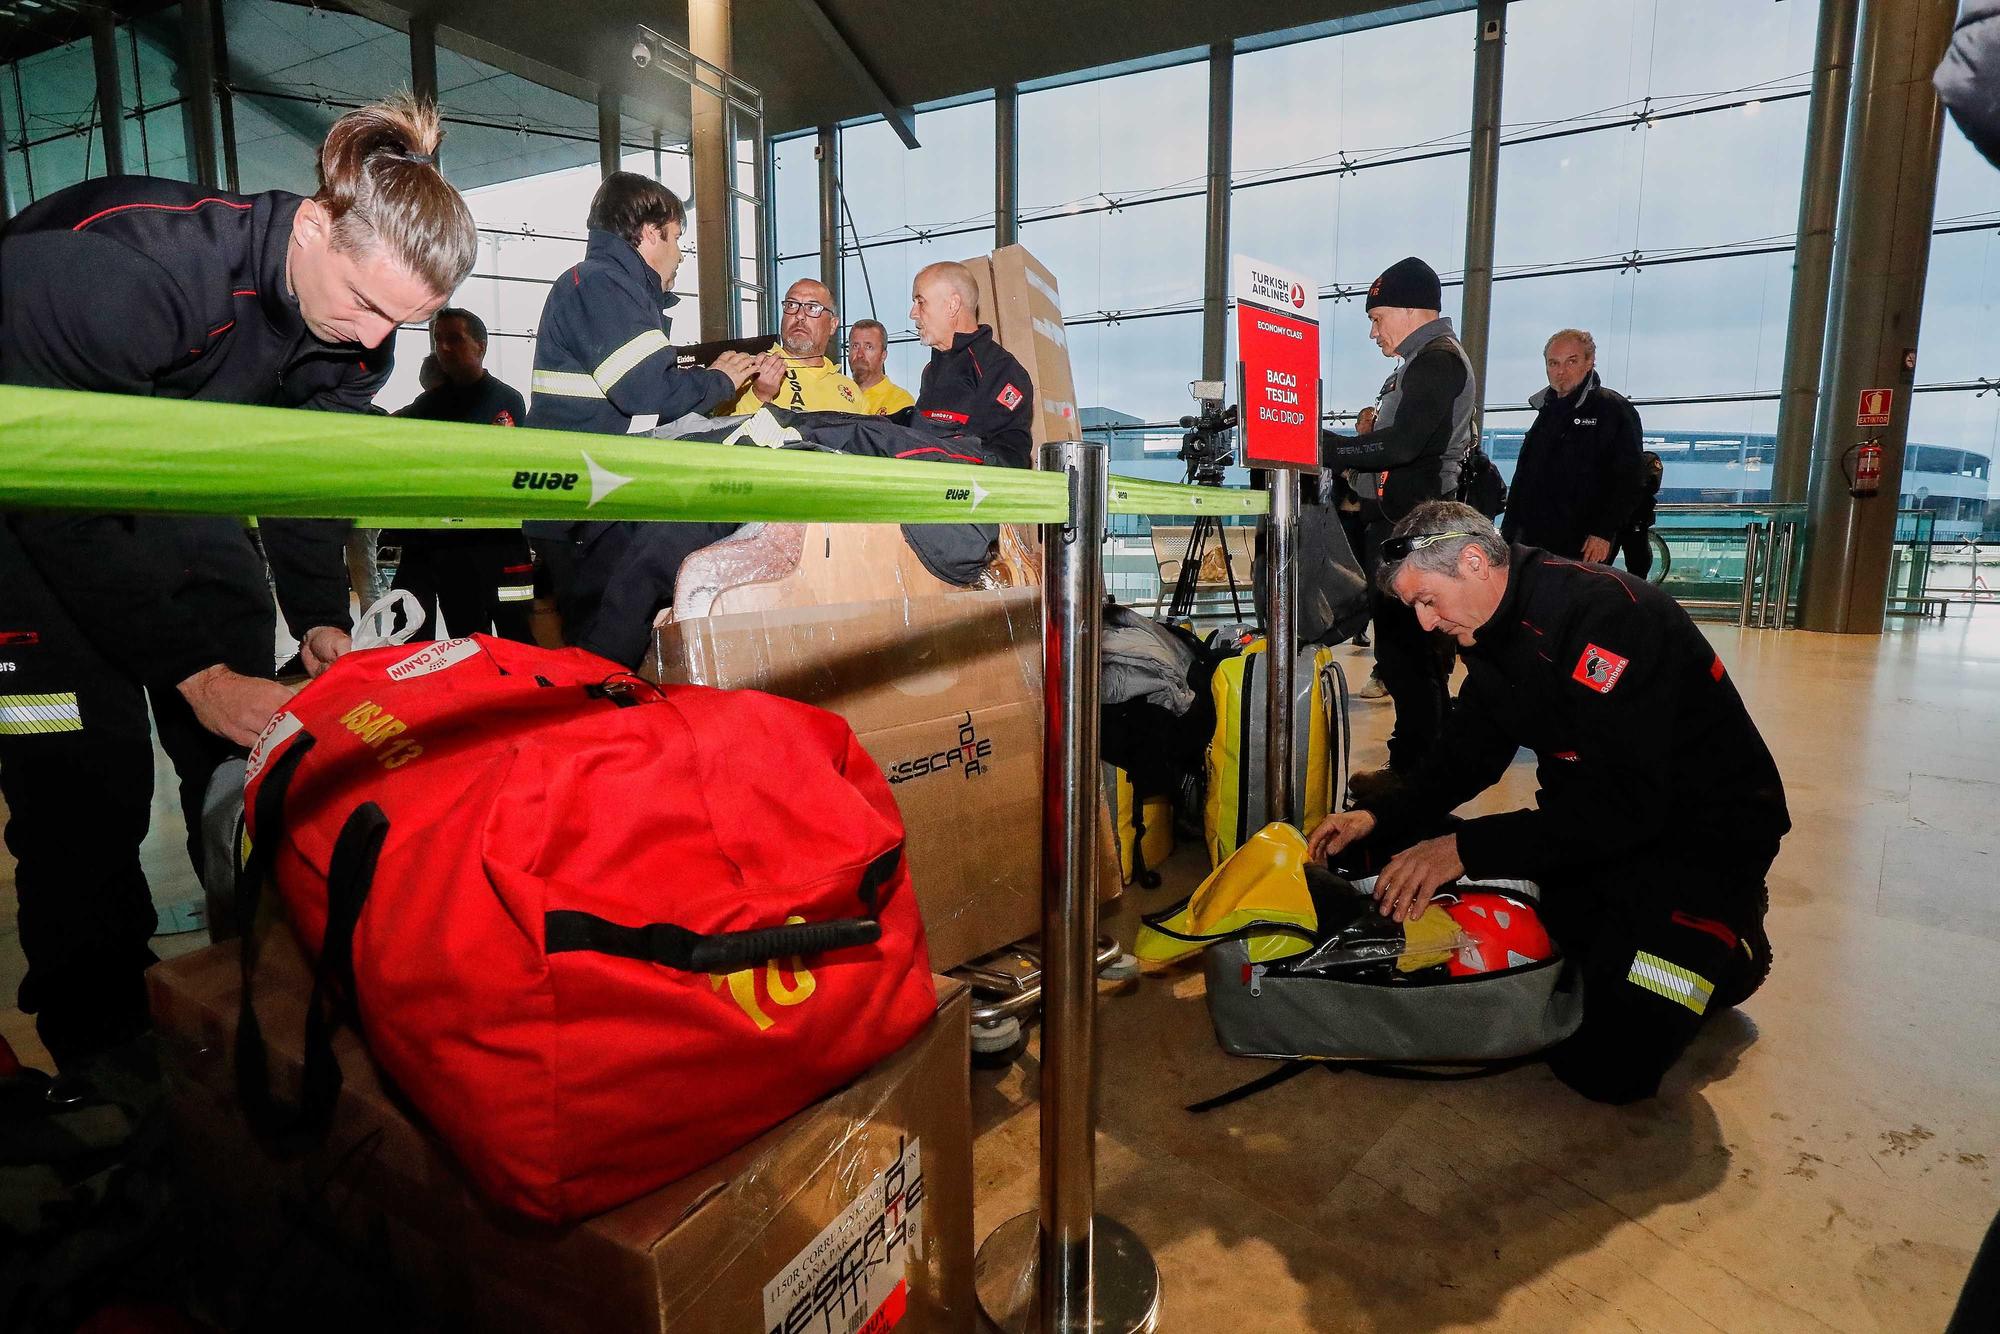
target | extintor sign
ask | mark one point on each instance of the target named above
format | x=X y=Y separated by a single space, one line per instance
x=1277 y=348
x=1874 y=407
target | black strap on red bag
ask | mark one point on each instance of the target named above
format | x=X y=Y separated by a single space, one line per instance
x=351 y=873
x=721 y=951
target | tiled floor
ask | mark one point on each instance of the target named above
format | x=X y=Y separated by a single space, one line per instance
x=1825 y=1160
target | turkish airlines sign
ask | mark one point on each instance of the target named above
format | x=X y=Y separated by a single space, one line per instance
x=1277 y=348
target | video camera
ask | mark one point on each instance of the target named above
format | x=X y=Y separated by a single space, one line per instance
x=1208 y=443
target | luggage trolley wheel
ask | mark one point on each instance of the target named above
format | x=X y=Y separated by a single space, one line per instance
x=1007 y=996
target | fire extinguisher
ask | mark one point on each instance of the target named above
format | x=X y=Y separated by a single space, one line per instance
x=1866 y=478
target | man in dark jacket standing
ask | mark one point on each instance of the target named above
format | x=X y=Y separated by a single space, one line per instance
x=1660 y=809
x=1411 y=453
x=478 y=579
x=1576 y=486
x=603 y=363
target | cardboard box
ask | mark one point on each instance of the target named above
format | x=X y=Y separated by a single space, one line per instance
x=946 y=694
x=851 y=1212
x=1027 y=318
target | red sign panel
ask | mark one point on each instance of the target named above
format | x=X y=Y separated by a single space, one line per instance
x=1875 y=405
x=1277 y=347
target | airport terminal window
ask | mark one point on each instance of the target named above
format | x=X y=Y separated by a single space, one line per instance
x=294 y=71
x=1348 y=153
x=52 y=121
x=1960 y=409
x=54 y=129
x=795 y=208
x=1112 y=174
x=1649 y=190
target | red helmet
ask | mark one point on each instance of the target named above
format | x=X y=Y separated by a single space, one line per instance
x=1505 y=932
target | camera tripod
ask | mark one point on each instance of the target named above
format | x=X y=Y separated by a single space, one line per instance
x=1207 y=450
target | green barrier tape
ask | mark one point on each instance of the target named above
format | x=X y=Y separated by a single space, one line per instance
x=108 y=452
x=1132 y=495
x=1129 y=495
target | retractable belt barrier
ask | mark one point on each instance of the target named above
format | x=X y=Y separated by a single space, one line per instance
x=120 y=454
x=124 y=454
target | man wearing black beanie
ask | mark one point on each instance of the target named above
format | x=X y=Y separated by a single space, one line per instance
x=1411 y=452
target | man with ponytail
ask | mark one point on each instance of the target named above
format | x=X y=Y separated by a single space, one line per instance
x=165 y=289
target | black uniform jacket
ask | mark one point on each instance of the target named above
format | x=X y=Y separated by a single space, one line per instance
x=978 y=387
x=486 y=401
x=1640 y=737
x=602 y=359
x=160 y=288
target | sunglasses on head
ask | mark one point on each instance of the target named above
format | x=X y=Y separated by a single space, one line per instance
x=1396 y=548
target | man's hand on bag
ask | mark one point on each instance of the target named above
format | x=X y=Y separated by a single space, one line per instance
x=321 y=646
x=1339 y=831
x=1596 y=550
x=232 y=705
x=1406 y=884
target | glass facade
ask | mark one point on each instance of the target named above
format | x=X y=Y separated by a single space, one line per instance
x=1649 y=187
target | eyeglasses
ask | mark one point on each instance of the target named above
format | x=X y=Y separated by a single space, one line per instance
x=1396 y=548
x=812 y=309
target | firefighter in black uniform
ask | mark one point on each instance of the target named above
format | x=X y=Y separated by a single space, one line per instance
x=153 y=287
x=480 y=579
x=1660 y=808
x=603 y=363
x=971 y=383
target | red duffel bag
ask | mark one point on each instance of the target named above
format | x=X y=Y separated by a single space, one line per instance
x=599 y=932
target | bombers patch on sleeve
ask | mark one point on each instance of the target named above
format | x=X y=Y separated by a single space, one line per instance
x=1009 y=398
x=1599 y=669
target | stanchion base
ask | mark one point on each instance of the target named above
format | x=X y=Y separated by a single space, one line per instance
x=1126 y=1282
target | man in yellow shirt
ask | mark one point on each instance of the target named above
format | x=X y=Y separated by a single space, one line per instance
x=867 y=349
x=809 y=381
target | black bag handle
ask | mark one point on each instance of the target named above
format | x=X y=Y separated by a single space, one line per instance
x=350 y=873
x=677 y=947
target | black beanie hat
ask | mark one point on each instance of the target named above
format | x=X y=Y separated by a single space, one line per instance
x=1408 y=283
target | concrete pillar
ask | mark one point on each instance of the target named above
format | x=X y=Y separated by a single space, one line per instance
x=1812 y=266
x=198 y=83
x=830 y=267
x=225 y=103
x=110 y=97
x=1221 y=149
x=708 y=39
x=423 y=57
x=610 y=131
x=1882 y=246
x=6 y=175
x=1482 y=186
x=1006 y=167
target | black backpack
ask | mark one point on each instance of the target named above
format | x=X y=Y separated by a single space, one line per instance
x=1480 y=484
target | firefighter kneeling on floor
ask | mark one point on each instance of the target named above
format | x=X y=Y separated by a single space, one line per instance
x=1660 y=809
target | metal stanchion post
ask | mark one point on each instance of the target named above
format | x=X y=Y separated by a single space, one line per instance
x=1064 y=1269
x=1770 y=569
x=1750 y=552
x=1281 y=540
x=1784 y=563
